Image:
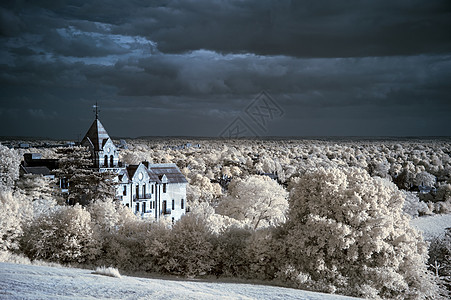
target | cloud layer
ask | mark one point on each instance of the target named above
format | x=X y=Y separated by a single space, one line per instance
x=191 y=67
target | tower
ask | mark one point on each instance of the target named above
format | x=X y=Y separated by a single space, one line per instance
x=103 y=151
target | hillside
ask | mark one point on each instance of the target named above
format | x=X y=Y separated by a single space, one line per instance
x=37 y=282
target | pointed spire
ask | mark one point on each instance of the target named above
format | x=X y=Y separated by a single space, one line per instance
x=96 y=135
x=96 y=110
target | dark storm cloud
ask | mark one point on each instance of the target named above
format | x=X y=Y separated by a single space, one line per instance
x=295 y=28
x=190 y=67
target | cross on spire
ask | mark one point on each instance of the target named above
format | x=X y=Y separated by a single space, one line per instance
x=96 y=110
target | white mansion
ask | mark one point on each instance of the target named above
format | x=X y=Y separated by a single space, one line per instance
x=150 y=190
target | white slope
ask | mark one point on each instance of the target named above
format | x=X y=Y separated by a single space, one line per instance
x=432 y=226
x=37 y=282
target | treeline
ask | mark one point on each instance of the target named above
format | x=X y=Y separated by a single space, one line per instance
x=210 y=168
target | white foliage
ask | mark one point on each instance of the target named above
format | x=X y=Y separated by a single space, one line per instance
x=413 y=206
x=107 y=271
x=43 y=206
x=347 y=230
x=36 y=186
x=9 y=166
x=216 y=222
x=201 y=189
x=64 y=235
x=425 y=179
x=14 y=212
x=104 y=214
x=257 y=200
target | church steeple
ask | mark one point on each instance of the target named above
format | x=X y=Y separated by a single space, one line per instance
x=96 y=136
x=103 y=151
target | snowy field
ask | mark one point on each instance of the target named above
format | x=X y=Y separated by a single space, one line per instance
x=36 y=282
x=432 y=226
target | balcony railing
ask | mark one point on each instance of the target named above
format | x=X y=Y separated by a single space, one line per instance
x=142 y=197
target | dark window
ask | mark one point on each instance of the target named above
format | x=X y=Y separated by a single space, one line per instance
x=164 y=187
x=172 y=220
x=144 y=190
x=105 y=161
x=144 y=207
x=152 y=188
x=182 y=204
x=111 y=161
x=127 y=205
x=137 y=207
x=137 y=191
x=164 y=206
x=64 y=184
x=125 y=191
x=173 y=204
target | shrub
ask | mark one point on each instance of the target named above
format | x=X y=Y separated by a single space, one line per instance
x=347 y=233
x=190 y=247
x=64 y=235
x=110 y=271
x=14 y=213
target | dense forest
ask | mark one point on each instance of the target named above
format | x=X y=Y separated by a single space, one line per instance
x=329 y=216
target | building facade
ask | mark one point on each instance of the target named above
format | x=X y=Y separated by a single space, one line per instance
x=149 y=190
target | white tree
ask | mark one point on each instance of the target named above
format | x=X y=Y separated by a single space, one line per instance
x=346 y=233
x=425 y=179
x=217 y=223
x=201 y=189
x=85 y=183
x=14 y=213
x=257 y=200
x=64 y=235
x=413 y=206
x=37 y=186
x=9 y=166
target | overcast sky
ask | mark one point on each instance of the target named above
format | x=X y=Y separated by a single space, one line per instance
x=197 y=68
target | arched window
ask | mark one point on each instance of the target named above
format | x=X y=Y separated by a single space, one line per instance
x=105 y=161
x=111 y=161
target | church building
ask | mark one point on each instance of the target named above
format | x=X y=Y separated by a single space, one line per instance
x=149 y=190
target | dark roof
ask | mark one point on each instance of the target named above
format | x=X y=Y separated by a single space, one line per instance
x=156 y=172
x=153 y=177
x=96 y=135
x=36 y=170
x=171 y=171
x=34 y=160
x=131 y=169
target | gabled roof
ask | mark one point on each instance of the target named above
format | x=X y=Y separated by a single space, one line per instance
x=96 y=136
x=131 y=169
x=157 y=172
x=171 y=171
